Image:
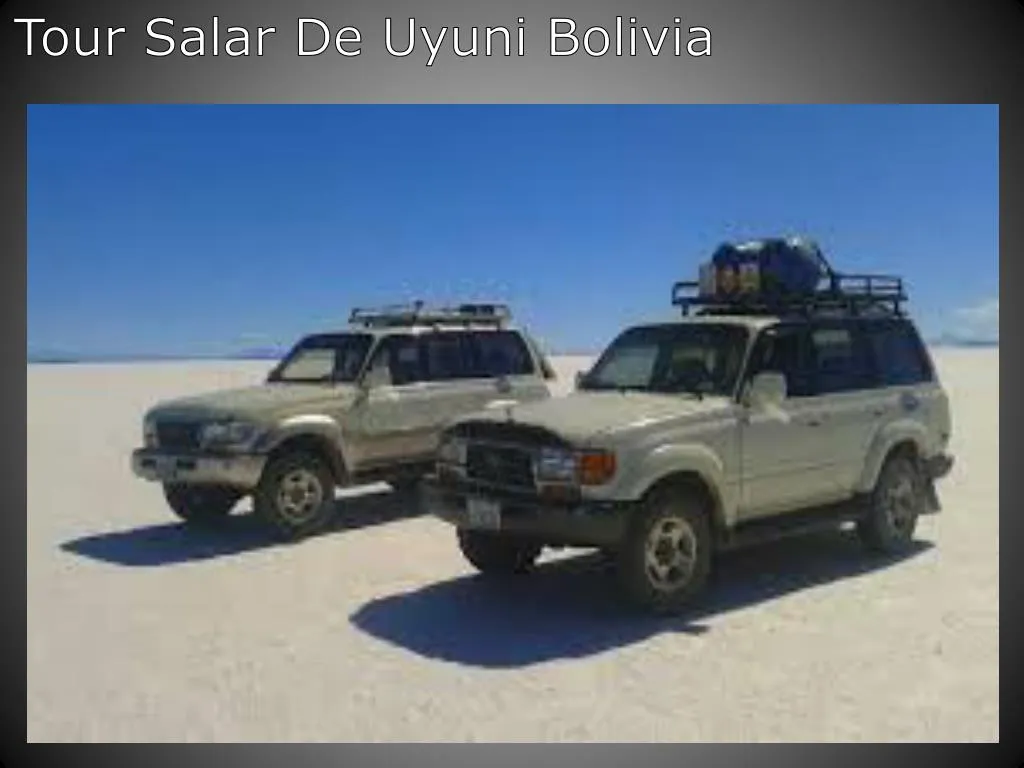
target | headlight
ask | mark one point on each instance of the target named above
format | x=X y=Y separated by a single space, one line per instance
x=228 y=434
x=452 y=450
x=591 y=467
x=556 y=465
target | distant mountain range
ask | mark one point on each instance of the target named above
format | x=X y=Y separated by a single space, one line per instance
x=949 y=340
x=54 y=357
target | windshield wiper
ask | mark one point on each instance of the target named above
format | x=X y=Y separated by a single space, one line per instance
x=620 y=388
x=695 y=391
x=289 y=380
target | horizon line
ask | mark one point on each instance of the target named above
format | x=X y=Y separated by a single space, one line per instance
x=71 y=358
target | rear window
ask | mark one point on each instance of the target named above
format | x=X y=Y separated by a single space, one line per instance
x=454 y=355
x=448 y=355
x=501 y=353
x=899 y=354
x=840 y=362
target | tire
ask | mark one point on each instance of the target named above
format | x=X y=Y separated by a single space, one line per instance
x=295 y=495
x=494 y=554
x=896 y=502
x=200 y=504
x=665 y=559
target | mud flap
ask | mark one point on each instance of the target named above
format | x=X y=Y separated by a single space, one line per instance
x=932 y=503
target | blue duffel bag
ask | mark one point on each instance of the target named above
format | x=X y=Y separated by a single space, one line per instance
x=771 y=267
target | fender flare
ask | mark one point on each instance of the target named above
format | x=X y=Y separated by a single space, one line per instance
x=901 y=432
x=321 y=427
x=667 y=462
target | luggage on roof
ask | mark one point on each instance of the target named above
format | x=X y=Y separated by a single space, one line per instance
x=771 y=267
x=783 y=275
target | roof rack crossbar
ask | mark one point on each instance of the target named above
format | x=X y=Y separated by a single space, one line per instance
x=850 y=293
x=418 y=313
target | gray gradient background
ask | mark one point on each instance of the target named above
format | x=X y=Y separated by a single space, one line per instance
x=781 y=51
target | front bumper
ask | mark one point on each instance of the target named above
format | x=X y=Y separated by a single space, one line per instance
x=241 y=471
x=580 y=523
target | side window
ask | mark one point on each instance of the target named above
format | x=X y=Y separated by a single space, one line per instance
x=840 y=362
x=501 y=353
x=782 y=350
x=445 y=356
x=400 y=357
x=899 y=355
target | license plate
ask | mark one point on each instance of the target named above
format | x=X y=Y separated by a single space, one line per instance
x=483 y=513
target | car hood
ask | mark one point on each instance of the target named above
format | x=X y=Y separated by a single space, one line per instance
x=581 y=416
x=256 y=403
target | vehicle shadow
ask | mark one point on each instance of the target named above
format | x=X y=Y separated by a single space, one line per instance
x=568 y=608
x=176 y=542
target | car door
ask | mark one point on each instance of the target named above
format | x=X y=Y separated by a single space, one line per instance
x=845 y=384
x=783 y=449
x=393 y=420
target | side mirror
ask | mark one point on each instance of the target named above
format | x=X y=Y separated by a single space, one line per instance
x=579 y=379
x=766 y=389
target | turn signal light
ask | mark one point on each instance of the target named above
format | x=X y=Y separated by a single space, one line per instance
x=596 y=467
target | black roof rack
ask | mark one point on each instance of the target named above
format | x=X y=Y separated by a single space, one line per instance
x=418 y=313
x=844 y=294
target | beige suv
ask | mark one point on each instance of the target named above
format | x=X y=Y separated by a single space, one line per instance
x=737 y=423
x=360 y=405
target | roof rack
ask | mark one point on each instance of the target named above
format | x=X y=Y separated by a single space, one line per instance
x=418 y=313
x=845 y=294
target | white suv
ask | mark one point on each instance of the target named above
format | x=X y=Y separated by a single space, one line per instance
x=736 y=423
x=347 y=407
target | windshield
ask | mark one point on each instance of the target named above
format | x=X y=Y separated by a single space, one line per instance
x=703 y=359
x=324 y=358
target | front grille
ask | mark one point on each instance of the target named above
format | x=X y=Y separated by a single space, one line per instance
x=526 y=435
x=506 y=466
x=177 y=436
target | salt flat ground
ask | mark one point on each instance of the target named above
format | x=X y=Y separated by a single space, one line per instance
x=378 y=631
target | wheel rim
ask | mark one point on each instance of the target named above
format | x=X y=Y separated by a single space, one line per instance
x=300 y=495
x=900 y=503
x=670 y=554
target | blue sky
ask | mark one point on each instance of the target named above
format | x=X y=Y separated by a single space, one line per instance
x=205 y=229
